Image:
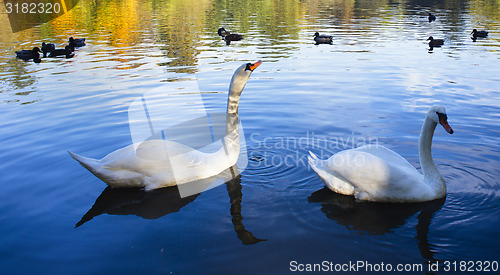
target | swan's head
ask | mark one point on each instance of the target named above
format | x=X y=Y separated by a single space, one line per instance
x=241 y=76
x=430 y=38
x=316 y=34
x=238 y=82
x=438 y=115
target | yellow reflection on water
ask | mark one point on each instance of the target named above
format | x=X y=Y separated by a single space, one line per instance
x=179 y=25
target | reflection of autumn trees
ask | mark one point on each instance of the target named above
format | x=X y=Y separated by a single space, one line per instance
x=277 y=19
x=280 y=19
x=272 y=27
x=485 y=11
x=181 y=23
x=117 y=23
x=341 y=10
x=179 y=26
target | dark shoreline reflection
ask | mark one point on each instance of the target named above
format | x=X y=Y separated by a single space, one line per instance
x=160 y=202
x=379 y=218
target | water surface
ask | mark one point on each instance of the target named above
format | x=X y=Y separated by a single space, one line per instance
x=373 y=84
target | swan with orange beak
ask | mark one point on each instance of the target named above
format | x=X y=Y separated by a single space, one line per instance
x=376 y=173
x=161 y=163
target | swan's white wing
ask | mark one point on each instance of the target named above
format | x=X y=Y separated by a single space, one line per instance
x=148 y=153
x=387 y=155
x=159 y=163
x=332 y=180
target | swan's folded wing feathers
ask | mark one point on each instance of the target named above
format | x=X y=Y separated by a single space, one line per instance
x=332 y=180
x=154 y=163
x=386 y=154
x=363 y=170
x=375 y=178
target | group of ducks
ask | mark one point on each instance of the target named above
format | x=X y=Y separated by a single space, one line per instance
x=440 y=42
x=49 y=50
x=369 y=173
x=327 y=39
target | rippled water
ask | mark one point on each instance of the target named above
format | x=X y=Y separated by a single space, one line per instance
x=373 y=84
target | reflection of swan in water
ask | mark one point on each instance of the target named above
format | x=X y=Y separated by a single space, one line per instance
x=378 y=218
x=134 y=201
x=235 y=196
x=157 y=203
x=157 y=163
x=424 y=222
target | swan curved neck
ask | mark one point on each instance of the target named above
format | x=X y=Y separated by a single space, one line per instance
x=431 y=174
x=231 y=140
x=232 y=104
x=232 y=129
x=235 y=89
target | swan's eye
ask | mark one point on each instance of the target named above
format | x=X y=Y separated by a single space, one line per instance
x=251 y=67
x=442 y=116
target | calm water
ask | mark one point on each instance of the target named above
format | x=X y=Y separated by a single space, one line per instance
x=374 y=83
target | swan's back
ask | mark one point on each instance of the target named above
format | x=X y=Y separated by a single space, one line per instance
x=387 y=155
x=375 y=173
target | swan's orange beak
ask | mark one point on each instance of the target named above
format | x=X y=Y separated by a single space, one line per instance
x=444 y=122
x=255 y=65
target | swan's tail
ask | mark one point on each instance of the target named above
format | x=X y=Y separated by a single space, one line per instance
x=332 y=180
x=91 y=164
x=314 y=162
x=317 y=165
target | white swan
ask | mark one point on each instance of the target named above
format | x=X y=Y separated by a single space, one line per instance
x=162 y=163
x=376 y=173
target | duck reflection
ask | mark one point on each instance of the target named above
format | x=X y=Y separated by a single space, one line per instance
x=378 y=218
x=160 y=202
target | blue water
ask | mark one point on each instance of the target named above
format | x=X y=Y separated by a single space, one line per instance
x=373 y=84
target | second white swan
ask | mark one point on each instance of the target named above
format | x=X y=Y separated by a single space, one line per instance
x=376 y=173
